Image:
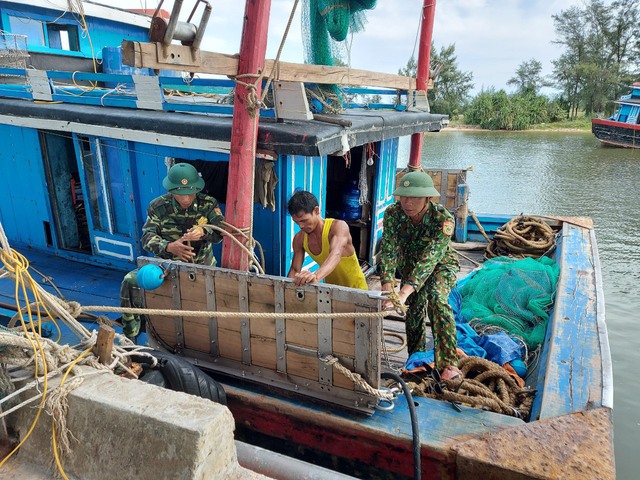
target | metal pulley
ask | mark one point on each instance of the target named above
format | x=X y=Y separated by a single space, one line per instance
x=163 y=31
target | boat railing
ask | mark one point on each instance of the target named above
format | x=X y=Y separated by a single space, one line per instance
x=167 y=93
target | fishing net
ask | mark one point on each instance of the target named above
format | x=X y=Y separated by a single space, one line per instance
x=13 y=50
x=325 y=26
x=512 y=295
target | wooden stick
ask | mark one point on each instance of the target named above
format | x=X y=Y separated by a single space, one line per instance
x=104 y=344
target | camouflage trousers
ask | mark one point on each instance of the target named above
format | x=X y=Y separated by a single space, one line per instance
x=131 y=296
x=431 y=302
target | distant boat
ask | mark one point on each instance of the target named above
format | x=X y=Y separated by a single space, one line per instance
x=622 y=129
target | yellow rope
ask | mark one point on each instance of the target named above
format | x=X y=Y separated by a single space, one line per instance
x=394 y=298
x=18 y=265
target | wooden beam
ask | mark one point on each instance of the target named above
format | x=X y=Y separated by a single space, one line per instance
x=180 y=57
x=104 y=344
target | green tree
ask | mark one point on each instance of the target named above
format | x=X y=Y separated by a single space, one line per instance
x=602 y=51
x=500 y=111
x=410 y=69
x=528 y=77
x=451 y=86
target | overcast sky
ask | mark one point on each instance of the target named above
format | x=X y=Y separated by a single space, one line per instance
x=492 y=37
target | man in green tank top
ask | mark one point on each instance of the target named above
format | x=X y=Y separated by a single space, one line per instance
x=327 y=241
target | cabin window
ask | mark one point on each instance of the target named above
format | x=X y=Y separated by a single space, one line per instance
x=33 y=29
x=63 y=37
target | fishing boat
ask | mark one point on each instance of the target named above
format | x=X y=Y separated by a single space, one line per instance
x=622 y=129
x=305 y=369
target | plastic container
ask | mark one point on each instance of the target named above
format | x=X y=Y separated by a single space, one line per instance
x=351 y=208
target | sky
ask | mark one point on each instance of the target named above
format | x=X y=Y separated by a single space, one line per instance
x=492 y=37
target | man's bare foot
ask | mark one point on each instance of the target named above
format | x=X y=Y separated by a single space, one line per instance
x=451 y=373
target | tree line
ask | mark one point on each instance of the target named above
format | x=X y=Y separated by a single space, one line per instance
x=600 y=59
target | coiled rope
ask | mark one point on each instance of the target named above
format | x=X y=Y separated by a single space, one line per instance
x=484 y=384
x=521 y=237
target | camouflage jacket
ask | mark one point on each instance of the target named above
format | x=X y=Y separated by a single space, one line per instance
x=167 y=222
x=415 y=250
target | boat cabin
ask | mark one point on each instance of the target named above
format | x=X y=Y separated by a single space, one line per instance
x=88 y=151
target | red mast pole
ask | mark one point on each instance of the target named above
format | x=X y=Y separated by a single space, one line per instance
x=244 y=129
x=422 y=77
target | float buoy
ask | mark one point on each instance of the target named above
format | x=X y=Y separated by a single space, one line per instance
x=150 y=276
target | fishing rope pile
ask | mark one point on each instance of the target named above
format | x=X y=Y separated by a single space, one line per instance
x=24 y=348
x=484 y=384
x=521 y=237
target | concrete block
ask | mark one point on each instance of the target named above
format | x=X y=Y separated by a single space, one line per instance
x=124 y=428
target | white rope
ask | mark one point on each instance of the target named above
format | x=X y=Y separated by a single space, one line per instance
x=208 y=313
x=357 y=379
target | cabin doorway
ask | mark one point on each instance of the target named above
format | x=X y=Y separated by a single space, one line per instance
x=90 y=189
x=65 y=192
x=350 y=194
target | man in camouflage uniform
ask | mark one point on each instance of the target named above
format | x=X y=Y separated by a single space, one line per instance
x=175 y=229
x=416 y=241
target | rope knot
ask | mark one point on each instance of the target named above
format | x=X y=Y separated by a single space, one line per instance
x=74 y=308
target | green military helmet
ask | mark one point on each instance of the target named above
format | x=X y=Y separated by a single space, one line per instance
x=183 y=179
x=416 y=184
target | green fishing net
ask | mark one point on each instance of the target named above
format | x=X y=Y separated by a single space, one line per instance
x=325 y=26
x=513 y=295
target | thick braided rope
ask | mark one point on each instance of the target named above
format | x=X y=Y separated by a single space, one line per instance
x=357 y=379
x=492 y=388
x=207 y=313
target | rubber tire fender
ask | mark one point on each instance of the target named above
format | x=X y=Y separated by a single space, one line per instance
x=181 y=376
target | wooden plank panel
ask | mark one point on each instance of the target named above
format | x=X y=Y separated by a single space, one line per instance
x=304 y=366
x=294 y=305
x=570 y=377
x=302 y=333
x=451 y=192
x=164 y=290
x=263 y=352
x=230 y=344
x=261 y=298
x=196 y=333
x=193 y=287
x=231 y=324
x=179 y=57
x=263 y=327
x=344 y=345
x=153 y=299
x=165 y=327
x=340 y=380
x=227 y=299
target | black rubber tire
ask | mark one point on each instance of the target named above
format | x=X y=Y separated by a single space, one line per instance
x=182 y=376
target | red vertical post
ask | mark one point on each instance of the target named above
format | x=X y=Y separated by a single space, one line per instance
x=244 y=129
x=422 y=76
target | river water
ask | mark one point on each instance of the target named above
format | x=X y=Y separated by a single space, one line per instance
x=571 y=174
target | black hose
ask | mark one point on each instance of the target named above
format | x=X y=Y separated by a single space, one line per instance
x=417 y=473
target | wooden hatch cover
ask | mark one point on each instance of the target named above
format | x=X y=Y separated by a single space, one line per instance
x=277 y=352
